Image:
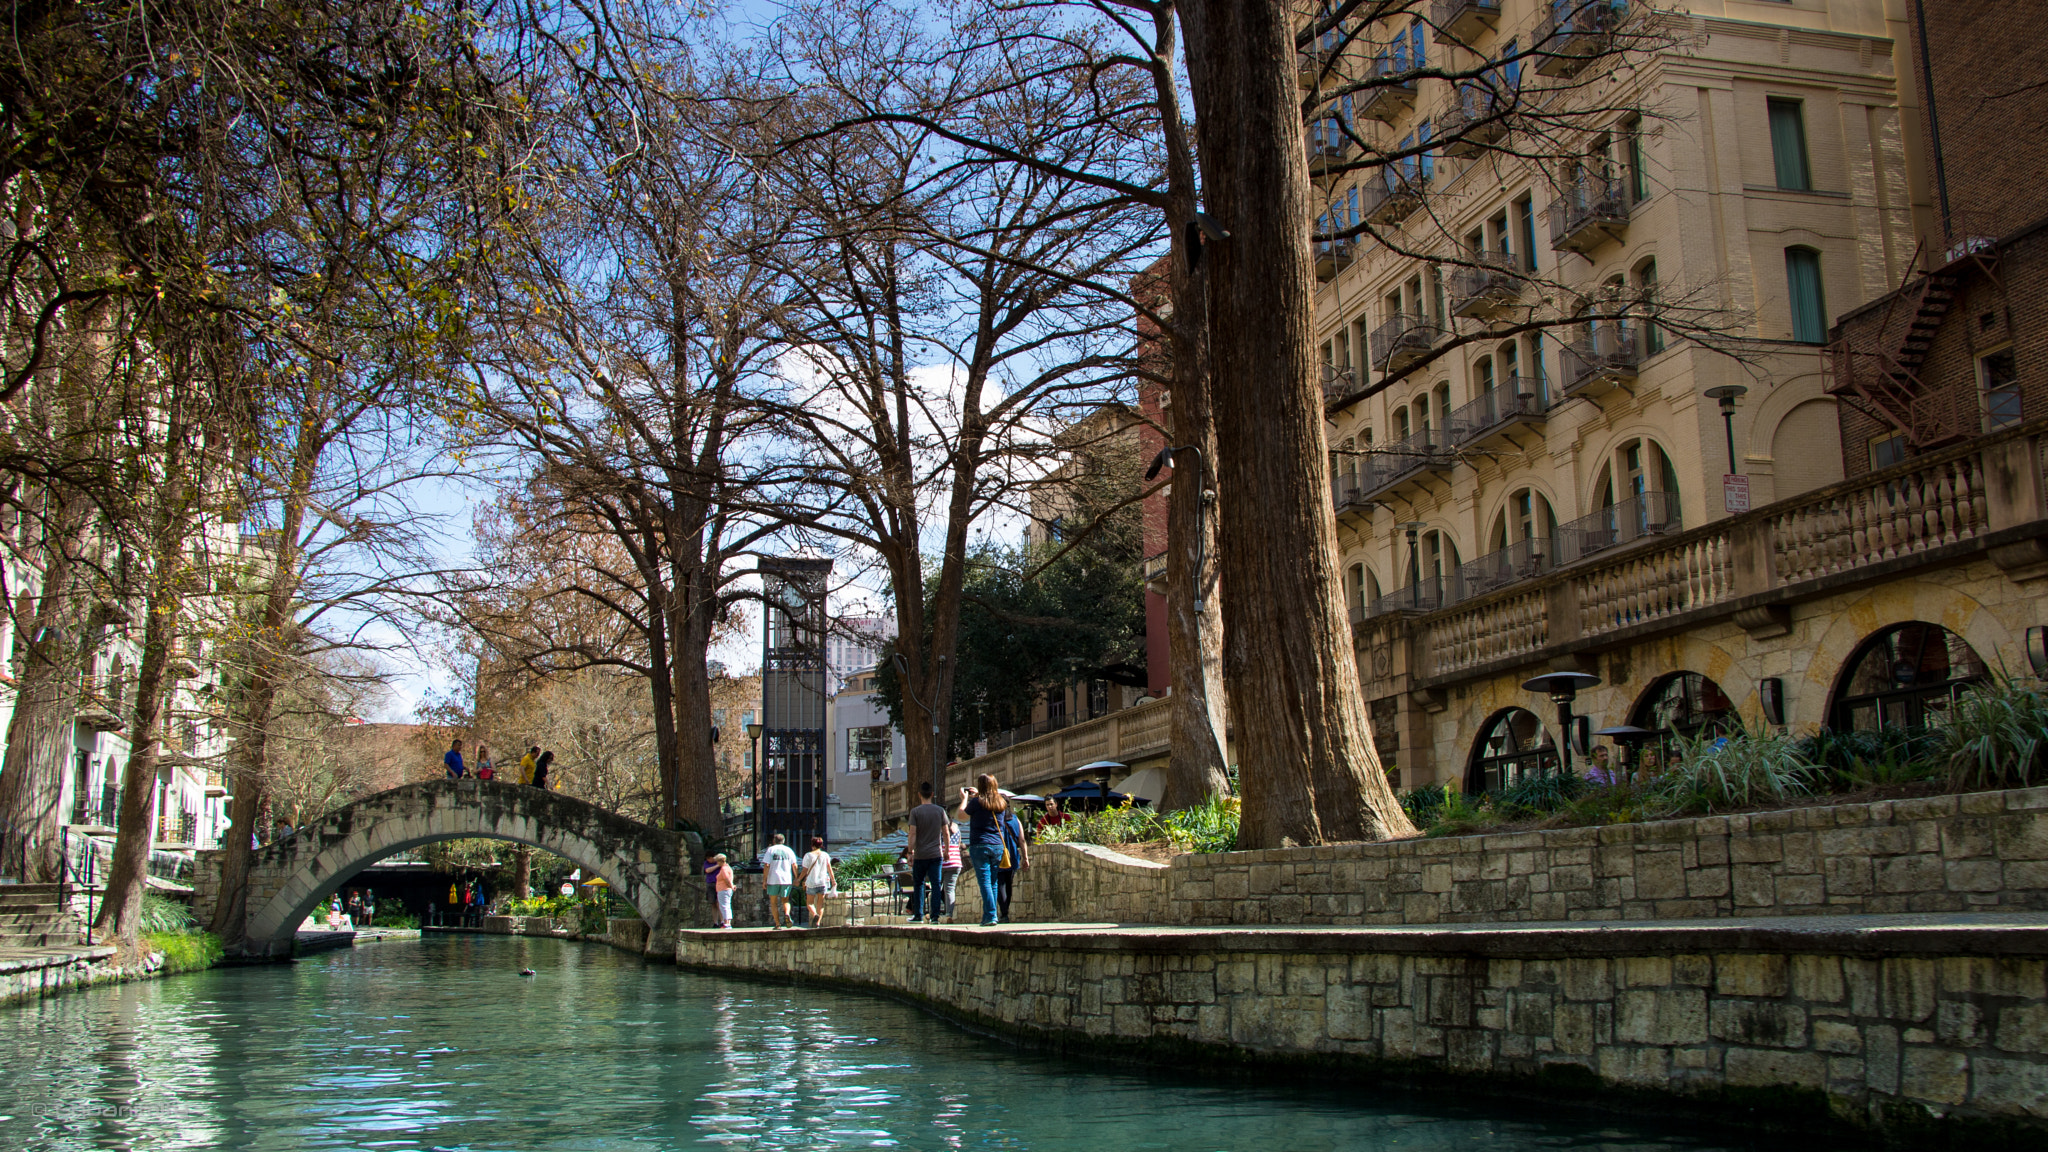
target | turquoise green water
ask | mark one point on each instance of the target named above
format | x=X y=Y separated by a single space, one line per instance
x=441 y=1045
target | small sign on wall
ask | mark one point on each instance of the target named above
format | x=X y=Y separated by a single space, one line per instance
x=1734 y=493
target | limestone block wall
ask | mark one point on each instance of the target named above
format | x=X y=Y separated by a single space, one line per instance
x=1980 y=851
x=1829 y=1021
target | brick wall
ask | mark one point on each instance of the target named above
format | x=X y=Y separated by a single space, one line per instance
x=1807 y=1028
x=1980 y=851
x=1988 y=58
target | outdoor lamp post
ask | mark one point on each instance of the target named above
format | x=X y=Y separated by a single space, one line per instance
x=1726 y=394
x=754 y=734
x=1562 y=688
x=1412 y=528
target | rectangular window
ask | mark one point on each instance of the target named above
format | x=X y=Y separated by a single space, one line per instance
x=2000 y=373
x=1886 y=451
x=1632 y=156
x=1809 y=301
x=1537 y=370
x=1525 y=226
x=1512 y=68
x=1425 y=163
x=1788 y=144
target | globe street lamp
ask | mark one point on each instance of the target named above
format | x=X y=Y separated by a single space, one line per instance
x=1562 y=688
x=754 y=734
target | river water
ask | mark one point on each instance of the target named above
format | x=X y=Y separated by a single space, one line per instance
x=442 y=1045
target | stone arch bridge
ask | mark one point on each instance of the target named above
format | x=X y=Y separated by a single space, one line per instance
x=651 y=868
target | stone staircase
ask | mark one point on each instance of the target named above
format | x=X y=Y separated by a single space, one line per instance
x=34 y=916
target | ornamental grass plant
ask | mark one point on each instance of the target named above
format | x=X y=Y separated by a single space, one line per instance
x=1210 y=826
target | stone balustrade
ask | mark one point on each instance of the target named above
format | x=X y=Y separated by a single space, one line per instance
x=1124 y=735
x=1982 y=496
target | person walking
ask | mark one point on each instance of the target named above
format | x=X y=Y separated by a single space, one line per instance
x=540 y=770
x=355 y=907
x=526 y=764
x=950 y=868
x=722 y=884
x=369 y=907
x=1016 y=853
x=453 y=760
x=928 y=824
x=817 y=869
x=1053 y=817
x=984 y=805
x=485 y=770
x=778 y=872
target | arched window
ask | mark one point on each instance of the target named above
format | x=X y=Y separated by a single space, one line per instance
x=1684 y=704
x=1513 y=747
x=1354 y=588
x=1906 y=676
x=1809 y=300
x=1439 y=566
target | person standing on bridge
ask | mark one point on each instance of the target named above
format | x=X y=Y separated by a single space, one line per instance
x=927 y=856
x=540 y=770
x=485 y=770
x=778 y=872
x=526 y=763
x=453 y=760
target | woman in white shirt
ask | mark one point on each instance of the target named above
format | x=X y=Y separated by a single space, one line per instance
x=817 y=869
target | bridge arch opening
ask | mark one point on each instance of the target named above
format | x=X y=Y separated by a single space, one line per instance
x=646 y=867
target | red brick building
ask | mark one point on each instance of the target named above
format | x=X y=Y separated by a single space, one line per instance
x=1961 y=349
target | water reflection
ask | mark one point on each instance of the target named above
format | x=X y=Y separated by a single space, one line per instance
x=441 y=1045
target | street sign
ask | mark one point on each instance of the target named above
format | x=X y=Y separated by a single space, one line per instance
x=1735 y=493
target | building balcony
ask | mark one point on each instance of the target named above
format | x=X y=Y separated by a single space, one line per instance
x=1422 y=596
x=1332 y=257
x=1313 y=66
x=1347 y=493
x=1931 y=513
x=1573 y=32
x=1487 y=286
x=1392 y=95
x=1402 y=340
x=1606 y=359
x=1518 y=405
x=1522 y=560
x=1338 y=382
x=1592 y=211
x=1471 y=122
x=1394 y=196
x=1463 y=21
x=1642 y=515
x=1403 y=462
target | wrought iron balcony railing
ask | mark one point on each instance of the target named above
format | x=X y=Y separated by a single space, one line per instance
x=1592 y=211
x=1518 y=401
x=1487 y=285
x=1607 y=357
x=1402 y=340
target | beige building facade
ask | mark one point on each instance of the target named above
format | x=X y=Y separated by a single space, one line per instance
x=1701 y=192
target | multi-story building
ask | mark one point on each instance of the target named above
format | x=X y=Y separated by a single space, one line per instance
x=865 y=751
x=1579 y=409
x=853 y=644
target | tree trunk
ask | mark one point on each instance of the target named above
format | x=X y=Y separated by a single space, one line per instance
x=1308 y=769
x=1198 y=761
x=696 y=797
x=39 y=734
x=128 y=879
x=39 y=739
x=275 y=638
x=522 y=872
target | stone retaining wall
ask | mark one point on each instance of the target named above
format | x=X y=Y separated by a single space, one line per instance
x=1979 y=851
x=1812 y=1022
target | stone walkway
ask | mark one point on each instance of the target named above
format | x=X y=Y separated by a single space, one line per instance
x=1938 y=933
x=27 y=973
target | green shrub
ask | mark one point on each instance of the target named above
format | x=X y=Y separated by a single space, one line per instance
x=1461 y=815
x=161 y=914
x=1425 y=805
x=396 y=919
x=1541 y=792
x=1734 y=771
x=867 y=865
x=185 y=951
x=1997 y=734
x=1210 y=826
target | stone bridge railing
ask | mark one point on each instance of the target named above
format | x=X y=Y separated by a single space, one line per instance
x=653 y=869
x=1985 y=496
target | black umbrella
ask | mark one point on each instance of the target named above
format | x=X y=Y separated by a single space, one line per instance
x=1090 y=795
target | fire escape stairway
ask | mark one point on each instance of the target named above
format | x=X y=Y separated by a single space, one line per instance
x=1888 y=377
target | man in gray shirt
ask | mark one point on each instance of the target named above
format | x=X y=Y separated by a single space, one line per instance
x=927 y=854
